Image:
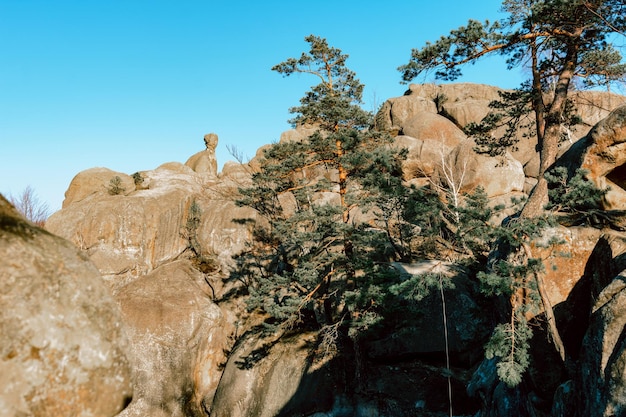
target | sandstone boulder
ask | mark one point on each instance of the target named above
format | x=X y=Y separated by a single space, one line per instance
x=463 y=103
x=178 y=337
x=605 y=157
x=130 y=236
x=396 y=111
x=264 y=378
x=205 y=162
x=96 y=181
x=238 y=175
x=63 y=347
x=565 y=252
x=602 y=153
x=429 y=126
x=299 y=133
x=468 y=170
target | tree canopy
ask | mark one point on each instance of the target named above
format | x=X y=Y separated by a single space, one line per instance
x=319 y=257
x=564 y=43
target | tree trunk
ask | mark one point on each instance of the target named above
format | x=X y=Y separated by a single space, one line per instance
x=548 y=140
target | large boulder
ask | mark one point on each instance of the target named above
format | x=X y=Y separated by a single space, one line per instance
x=605 y=157
x=129 y=236
x=429 y=138
x=464 y=103
x=97 y=181
x=397 y=110
x=565 y=252
x=467 y=170
x=178 y=338
x=602 y=154
x=461 y=103
x=429 y=126
x=266 y=378
x=63 y=347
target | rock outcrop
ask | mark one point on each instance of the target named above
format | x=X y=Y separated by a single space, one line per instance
x=96 y=181
x=131 y=235
x=262 y=378
x=205 y=162
x=603 y=356
x=178 y=337
x=463 y=103
x=63 y=347
x=604 y=157
x=165 y=246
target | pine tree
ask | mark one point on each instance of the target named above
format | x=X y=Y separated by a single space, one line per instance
x=321 y=256
x=561 y=41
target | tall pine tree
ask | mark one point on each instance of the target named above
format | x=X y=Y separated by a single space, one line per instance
x=560 y=41
x=321 y=257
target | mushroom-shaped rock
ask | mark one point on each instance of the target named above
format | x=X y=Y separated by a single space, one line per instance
x=205 y=162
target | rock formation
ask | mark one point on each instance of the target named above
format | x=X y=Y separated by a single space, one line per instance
x=602 y=154
x=129 y=236
x=63 y=346
x=165 y=246
x=178 y=338
x=96 y=181
x=205 y=162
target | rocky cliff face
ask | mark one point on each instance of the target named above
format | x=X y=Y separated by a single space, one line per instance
x=163 y=242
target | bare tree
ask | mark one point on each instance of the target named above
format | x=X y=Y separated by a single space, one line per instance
x=31 y=206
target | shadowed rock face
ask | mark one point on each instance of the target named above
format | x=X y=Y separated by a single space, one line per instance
x=62 y=347
x=603 y=356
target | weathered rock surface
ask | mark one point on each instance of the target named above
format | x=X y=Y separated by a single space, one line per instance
x=565 y=252
x=429 y=126
x=266 y=379
x=205 y=162
x=95 y=181
x=178 y=340
x=464 y=103
x=605 y=157
x=129 y=236
x=63 y=348
x=467 y=170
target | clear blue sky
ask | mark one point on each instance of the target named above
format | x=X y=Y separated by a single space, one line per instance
x=131 y=84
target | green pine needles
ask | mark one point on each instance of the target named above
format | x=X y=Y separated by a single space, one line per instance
x=510 y=343
x=573 y=195
x=321 y=255
x=334 y=216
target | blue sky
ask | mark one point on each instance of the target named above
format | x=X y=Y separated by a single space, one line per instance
x=132 y=84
